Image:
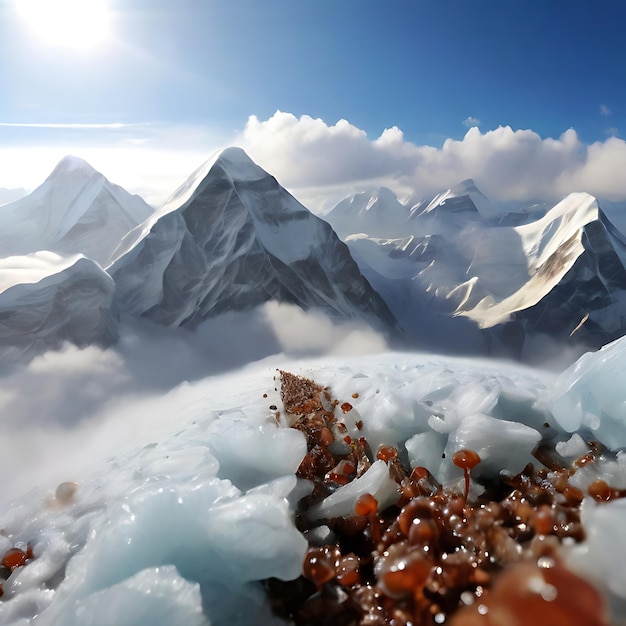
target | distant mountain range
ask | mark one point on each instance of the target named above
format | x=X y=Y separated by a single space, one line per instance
x=448 y=273
x=459 y=276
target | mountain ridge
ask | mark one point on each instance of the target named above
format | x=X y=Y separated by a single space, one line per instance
x=443 y=274
x=510 y=281
x=231 y=237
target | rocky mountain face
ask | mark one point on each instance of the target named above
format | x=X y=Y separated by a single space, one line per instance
x=448 y=273
x=79 y=251
x=518 y=291
x=47 y=299
x=232 y=238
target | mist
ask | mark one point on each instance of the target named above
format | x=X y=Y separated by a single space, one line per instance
x=65 y=410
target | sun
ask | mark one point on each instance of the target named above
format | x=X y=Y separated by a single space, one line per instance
x=77 y=24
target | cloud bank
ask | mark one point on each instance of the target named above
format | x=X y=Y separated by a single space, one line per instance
x=317 y=161
x=67 y=409
x=320 y=163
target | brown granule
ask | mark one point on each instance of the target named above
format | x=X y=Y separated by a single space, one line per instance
x=435 y=557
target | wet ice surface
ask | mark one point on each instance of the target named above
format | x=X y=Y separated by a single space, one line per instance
x=185 y=515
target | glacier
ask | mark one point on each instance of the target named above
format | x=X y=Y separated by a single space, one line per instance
x=179 y=516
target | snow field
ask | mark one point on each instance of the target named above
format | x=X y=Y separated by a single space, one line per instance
x=180 y=528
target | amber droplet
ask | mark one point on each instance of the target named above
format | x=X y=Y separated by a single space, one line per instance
x=64 y=493
x=348 y=571
x=408 y=579
x=265 y=395
x=422 y=531
x=346 y=407
x=419 y=473
x=600 y=491
x=414 y=509
x=14 y=558
x=544 y=520
x=386 y=453
x=318 y=568
x=326 y=436
x=466 y=459
x=366 y=504
x=355 y=395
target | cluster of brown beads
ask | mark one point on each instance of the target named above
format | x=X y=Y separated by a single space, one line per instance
x=312 y=412
x=435 y=557
x=13 y=559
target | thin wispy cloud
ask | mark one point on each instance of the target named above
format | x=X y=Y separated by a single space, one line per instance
x=70 y=126
x=604 y=110
x=471 y=121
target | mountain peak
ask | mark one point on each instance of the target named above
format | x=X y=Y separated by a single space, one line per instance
x=464 y=187
x=239 y=165
x=71 y=163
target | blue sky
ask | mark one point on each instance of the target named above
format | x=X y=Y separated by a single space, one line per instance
x=183 y=77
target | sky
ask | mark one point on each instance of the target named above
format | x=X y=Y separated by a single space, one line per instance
x=330 y=96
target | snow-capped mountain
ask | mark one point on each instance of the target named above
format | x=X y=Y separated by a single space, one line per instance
x=46 y=299
x=447 y=271
x=379 y=213
x=75 y=211
x=562 y=275
x=232 y=238
x=375 y=212
x=456 y=207
x=576 y=286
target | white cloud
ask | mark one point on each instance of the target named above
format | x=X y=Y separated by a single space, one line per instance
x=471 y=121
x=104 y=126
x=604 y=110
x=317 y=161
x=67 y=408
x=321 y=163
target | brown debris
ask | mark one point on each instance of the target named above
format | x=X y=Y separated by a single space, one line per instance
x=435 y=557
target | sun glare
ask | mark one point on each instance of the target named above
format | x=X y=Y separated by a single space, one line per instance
x=78 y=24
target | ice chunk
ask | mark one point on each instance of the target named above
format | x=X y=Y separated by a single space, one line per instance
x=158 y=596
x=254 y=538
x=585 y=396
x=501 y=445
x=425 y=449
x=375 y=481
x=575 y=446
x=251 y=454
x=603 y=554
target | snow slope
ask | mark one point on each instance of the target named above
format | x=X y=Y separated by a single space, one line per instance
x=176 y=521
x=377 y=212
x=562 y=275
x=46 y=299
x=75 y=211
x=231 y=238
